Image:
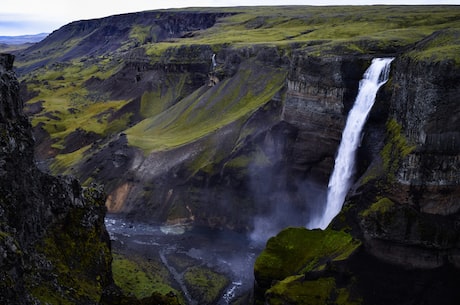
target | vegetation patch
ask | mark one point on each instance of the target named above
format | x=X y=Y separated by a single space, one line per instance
x=63 y=163
x=381 y=206
x=139 y=278
x=205 y=285
x=79 y=260
x=297 y=290
x=440 y=46
x=395 y=149
x=299 y=250
x=207 y=110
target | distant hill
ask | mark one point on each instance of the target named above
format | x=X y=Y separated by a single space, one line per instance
x=13 y=40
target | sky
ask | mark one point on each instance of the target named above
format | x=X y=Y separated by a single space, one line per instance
x=23 y=17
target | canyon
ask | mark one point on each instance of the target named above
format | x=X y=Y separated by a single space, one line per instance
x=230 y=119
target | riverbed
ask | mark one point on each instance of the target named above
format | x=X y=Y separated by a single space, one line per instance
x=225 y=252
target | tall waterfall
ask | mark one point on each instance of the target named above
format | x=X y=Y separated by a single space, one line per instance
x=341 y=179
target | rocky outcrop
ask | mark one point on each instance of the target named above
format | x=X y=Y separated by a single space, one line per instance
x=53 y=244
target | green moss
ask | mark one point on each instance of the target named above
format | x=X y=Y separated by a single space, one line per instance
x=136 y=276
x=297 y=290
x=67 y=104
x=298 y=250
x=381 y=206
x=140 y=33
x=256 y=158
x=80 y=262
x=164 y=95
x=395 y=149
x=205 y=285
x=48 y=295
x=293 y=289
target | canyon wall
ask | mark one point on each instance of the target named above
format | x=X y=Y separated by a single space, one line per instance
x=403 y=208
x=53 y=242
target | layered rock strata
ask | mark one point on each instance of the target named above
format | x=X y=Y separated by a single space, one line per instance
x=403 y=208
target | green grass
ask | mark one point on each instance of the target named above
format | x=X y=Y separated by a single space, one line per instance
x=207 y=110
x=387 y=25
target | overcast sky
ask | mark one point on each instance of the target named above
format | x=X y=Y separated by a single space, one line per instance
x=19 y=17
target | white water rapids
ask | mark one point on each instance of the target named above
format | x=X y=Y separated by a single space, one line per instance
x=341 y=179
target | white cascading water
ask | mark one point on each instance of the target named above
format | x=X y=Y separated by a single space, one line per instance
x=341 y=179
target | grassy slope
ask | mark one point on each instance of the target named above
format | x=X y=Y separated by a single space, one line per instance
x=208 y=110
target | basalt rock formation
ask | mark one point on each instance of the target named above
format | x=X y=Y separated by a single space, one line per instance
x=403 y=209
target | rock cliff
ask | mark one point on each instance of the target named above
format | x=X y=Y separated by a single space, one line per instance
x=403 y=208
x=54 y=246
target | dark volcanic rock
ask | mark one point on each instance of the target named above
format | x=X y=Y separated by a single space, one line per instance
x=320 y=93
x=404 y=208
x=53 y=242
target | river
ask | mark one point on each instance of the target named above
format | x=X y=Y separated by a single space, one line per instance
x=225 y=252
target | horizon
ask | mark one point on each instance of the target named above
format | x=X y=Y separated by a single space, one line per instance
x=19 y=19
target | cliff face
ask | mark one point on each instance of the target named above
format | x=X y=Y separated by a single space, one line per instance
x=320 y=93
x=420 y=157
x=403 y=208
x=53 y=244
x=424 y=104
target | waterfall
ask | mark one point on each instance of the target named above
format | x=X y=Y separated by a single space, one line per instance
x=341 y=179
x=213 y=59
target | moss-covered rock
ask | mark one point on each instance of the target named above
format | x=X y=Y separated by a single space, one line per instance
x=205 y=285
x=298 y=251
x=296 y=290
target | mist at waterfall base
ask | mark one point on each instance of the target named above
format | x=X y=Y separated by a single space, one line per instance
x=342 y=176
x=282 y=198
x=287 y=209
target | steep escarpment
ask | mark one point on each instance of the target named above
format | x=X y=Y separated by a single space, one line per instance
x=420 y=186
x=402 y=209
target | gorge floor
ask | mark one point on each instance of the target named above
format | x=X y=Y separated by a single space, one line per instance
x=180 y=254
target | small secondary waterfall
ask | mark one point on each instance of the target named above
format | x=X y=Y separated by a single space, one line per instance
x=341 y=179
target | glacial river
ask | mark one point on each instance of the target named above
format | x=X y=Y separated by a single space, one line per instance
x=225 y=252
